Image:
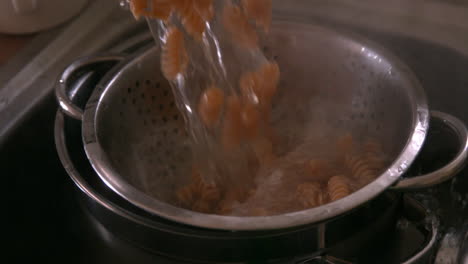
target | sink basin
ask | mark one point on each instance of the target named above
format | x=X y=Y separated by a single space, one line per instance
x=48 y=224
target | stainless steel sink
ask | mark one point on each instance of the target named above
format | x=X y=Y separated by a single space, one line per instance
x=46 y=222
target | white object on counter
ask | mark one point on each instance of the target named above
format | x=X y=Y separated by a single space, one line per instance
x=28 y=16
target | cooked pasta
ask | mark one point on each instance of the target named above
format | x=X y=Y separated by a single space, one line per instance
x=318 y=166
x=204 y=8
x=260 y=11
x=194 y=24
x=185 y=196
x=159 y=9
x=174 y=57
x=248 y=85
x=210 y=193
x=251 y=118
x=270 y=74
x=338 y=188
x=138 y=7
x=237 y=24
x=309 y=194
x=211 y=105
x=361 y=169
x=372 y=146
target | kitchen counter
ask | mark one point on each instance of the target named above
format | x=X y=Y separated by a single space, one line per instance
x=11 y=45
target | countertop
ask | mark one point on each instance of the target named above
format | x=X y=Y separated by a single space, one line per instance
x=11 y=45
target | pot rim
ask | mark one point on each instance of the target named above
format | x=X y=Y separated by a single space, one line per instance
x=102 y=165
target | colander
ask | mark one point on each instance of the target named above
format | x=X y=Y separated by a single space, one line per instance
x=334 y=81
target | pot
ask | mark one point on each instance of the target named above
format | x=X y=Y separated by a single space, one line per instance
x=401 y=120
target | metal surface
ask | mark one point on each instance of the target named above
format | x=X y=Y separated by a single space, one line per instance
x=460 y=132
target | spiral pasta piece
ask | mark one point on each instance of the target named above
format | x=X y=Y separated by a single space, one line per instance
x=160 y=9
x=270 y=75
x=318 y=169
x=199 y=195
x=174 y=58
x=309 y=195
x=372 y=146
x=138 y=7
x=194 y=14
x=238 y=25
x=263 y=149
x=260 y=86
x=185 y=196
x=338 y=187
x=374 y=154
x=251 y=118
x=260 y=11
x=360 y=169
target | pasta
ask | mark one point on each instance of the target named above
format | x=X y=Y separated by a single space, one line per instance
x=322 y=181
x=194 y=24
x=159 y=9
x=251 y=120
x=211 y=105
x=199 y=195
x=260 y=11
x=317 y=166
x=260 y=86
x=174 y=57
x=204 y=8
x=138 y=8
x=338 y=187
x=360 y=168
x=185 y=196
x=309 y=195
x=374 y=155
x=238 y=25
x=365 y=167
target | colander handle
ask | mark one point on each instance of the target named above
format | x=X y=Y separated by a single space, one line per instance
x=449 y=170
x=83 y=65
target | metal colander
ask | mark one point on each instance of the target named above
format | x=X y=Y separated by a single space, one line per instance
x=331 y=84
